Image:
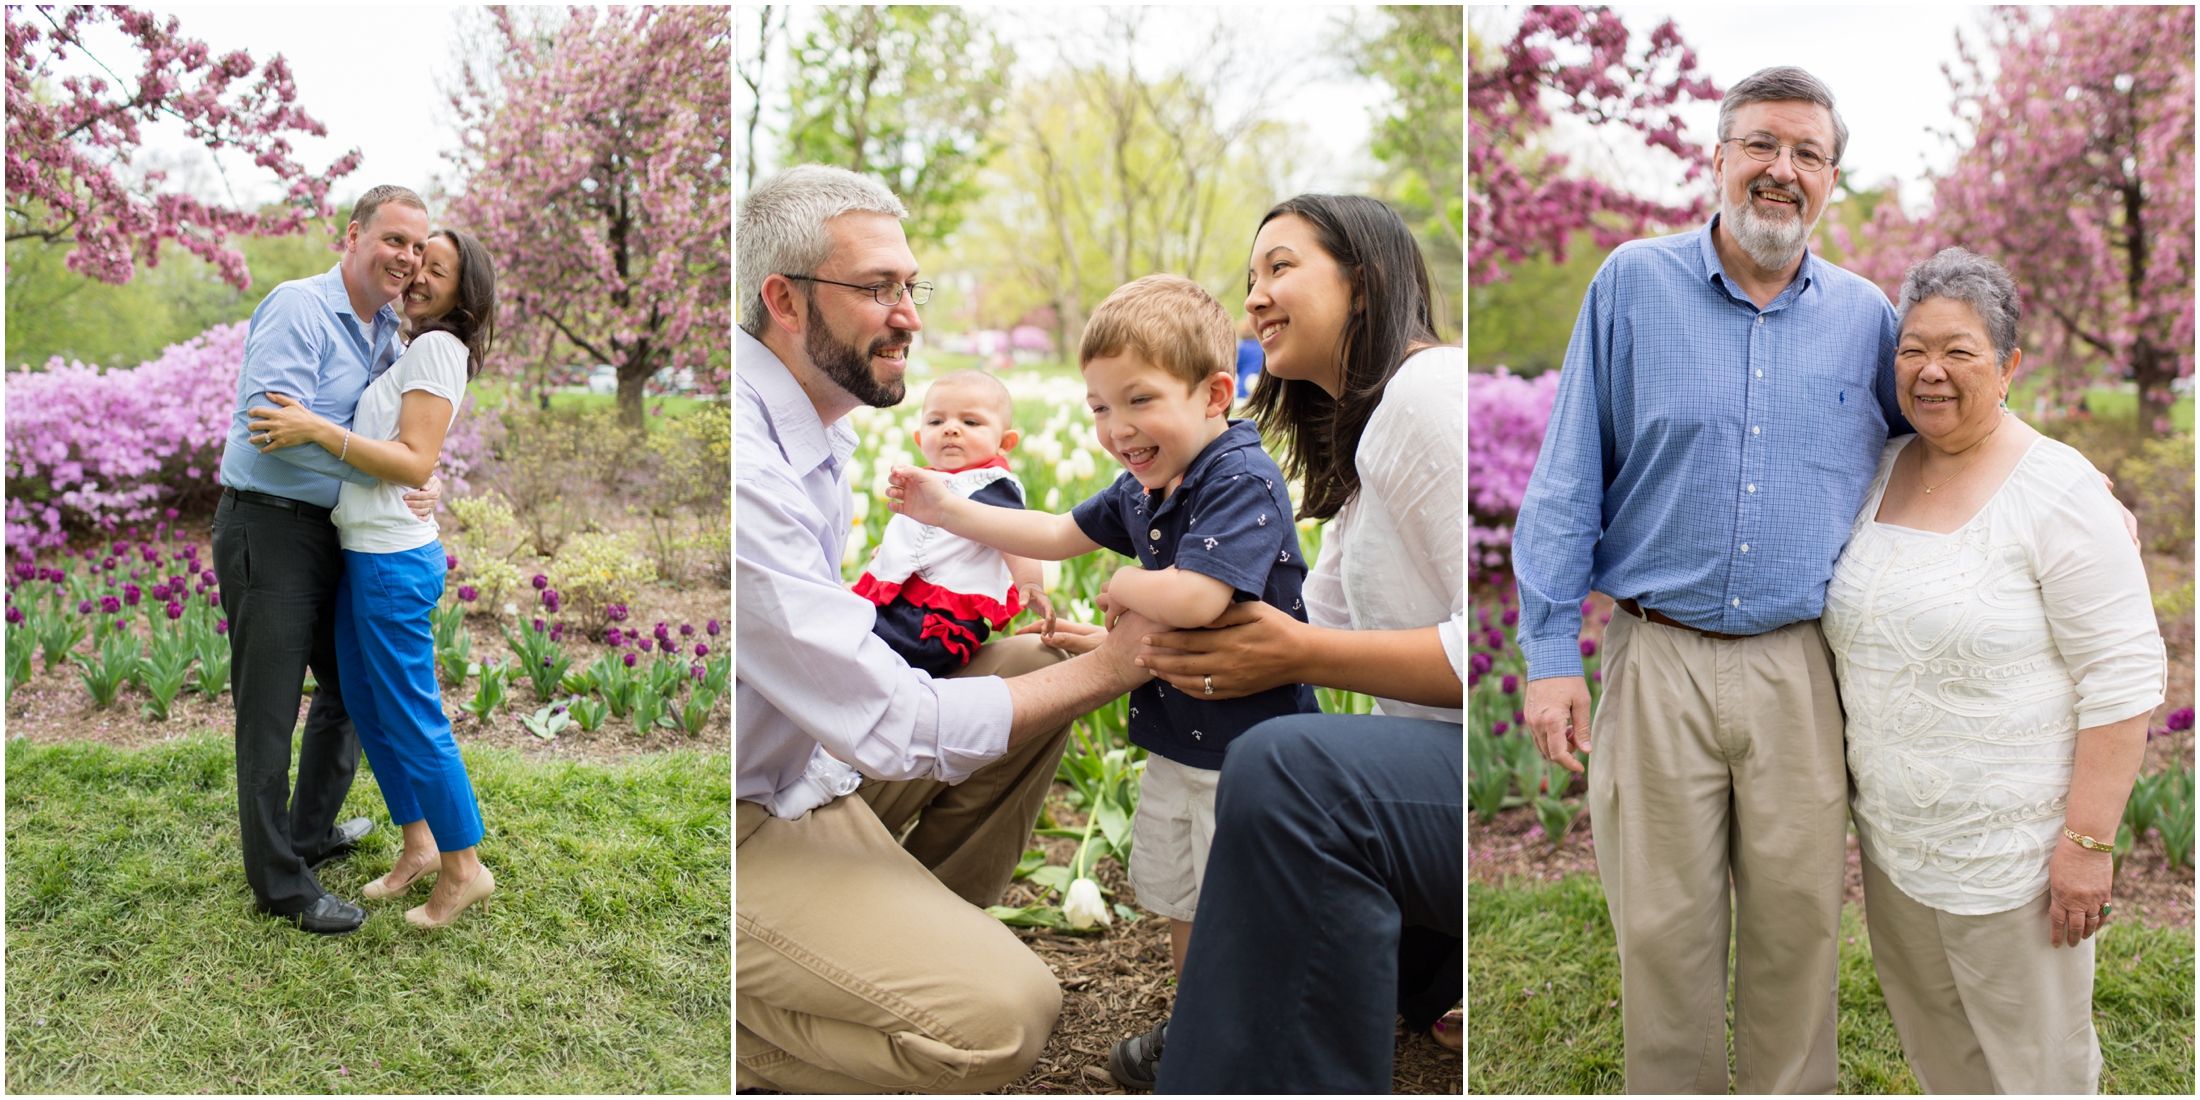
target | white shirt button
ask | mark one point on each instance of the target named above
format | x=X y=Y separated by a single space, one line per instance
x=1737 y=603
x=1751 y=488
x=1754 y=430
x=1745 y=548
x=1760 y=374
x=1154 y=534
x=1760 y=319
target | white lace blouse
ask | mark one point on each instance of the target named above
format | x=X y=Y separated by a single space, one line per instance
x=1395 y=557
x=1969 y=662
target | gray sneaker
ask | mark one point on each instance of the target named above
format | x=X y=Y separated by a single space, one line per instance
x=1136 y=1062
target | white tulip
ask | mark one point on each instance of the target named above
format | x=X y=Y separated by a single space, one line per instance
x=1064 y=471
x=1081 y=464
x=1054 y=503
x=1083 y=906
x=1050 y=572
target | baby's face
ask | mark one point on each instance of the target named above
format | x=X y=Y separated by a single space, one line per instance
x=962 y=426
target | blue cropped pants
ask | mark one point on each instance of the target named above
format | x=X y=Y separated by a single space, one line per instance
x=385 y=651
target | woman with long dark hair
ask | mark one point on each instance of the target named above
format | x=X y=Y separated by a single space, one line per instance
x=393 y=571
x=1334 y=889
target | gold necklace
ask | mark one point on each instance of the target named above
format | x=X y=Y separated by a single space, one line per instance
x=1979 y=446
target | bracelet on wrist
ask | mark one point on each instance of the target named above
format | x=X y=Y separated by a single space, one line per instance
x=2086 y=842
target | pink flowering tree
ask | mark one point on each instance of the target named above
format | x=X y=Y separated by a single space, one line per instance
x=2077 y=177
x=70 y=143
x=1521 y=202
x=1506 y=416
x=598 y=170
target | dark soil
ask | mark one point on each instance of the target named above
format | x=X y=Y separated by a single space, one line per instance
x=1120 y=983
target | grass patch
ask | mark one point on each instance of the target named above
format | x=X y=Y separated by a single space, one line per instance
x=136 y=962
x=1543 y=979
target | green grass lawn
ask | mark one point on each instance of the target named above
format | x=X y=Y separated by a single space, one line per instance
x=490 y=391
x=1543 y=982
x=136 y=962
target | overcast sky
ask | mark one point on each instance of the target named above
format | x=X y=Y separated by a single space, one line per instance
x=1294 y=45
x=368 y=74
x=1883 y=64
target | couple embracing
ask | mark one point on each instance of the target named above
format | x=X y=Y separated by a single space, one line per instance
x=1852 y=587
x=326 y=547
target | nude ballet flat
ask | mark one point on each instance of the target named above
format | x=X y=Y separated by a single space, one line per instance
x=481 y=887
x=375 y=891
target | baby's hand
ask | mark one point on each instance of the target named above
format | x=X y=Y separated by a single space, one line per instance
x=1069 y=634
x=922 y=495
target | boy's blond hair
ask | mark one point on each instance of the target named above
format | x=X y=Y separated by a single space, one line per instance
x=1168 y=321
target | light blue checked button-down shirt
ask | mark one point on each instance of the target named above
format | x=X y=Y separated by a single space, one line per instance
x=1704 y=457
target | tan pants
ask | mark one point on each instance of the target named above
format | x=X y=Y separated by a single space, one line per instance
x=1720 y=761
x=1983 y=1004
x=863 y=965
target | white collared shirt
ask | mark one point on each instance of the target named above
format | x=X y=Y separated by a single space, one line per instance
x=809 y=675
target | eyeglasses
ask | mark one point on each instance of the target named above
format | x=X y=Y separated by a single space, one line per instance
x=885 y=294
x=1761 y=147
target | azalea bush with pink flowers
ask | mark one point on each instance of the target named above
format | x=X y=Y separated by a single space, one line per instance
x=1506 y=416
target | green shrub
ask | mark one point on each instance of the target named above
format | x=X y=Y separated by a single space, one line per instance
x=489 y=534
x=2157 y=480
x=684 y=498
x=597 y=572
x=556 y=466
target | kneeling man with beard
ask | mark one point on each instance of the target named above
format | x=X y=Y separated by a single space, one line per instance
x=1718 y=422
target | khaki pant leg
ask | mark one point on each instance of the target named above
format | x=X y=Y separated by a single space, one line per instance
x=855 y=970
x=970 y=835
x=1658 y=791
x=2031 y=1004
x=1921 y=991
x=1780 y=711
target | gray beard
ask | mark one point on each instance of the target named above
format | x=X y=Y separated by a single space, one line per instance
x=850 y=368
x=1772 y=243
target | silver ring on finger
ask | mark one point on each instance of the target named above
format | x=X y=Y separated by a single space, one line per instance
x=1209 y=682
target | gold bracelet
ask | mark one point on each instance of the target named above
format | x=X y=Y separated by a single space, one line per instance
x=2088 y=843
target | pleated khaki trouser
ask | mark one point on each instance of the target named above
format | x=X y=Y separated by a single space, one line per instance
x=862 y=965
x=1982 y=1003
x=1717 y=758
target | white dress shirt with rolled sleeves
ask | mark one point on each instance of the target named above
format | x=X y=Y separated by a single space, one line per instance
x=809 y=675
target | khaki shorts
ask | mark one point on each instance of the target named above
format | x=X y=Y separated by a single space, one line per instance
x=1171 y=834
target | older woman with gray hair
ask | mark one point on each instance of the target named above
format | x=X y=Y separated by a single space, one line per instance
x=1998 y=658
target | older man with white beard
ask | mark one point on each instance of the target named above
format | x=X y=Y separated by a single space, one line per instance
x=1718 y=422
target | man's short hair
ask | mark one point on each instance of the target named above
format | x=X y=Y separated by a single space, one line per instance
x=781 y=229
x=994 y=388
x=1782 y=82
x=362 y=211
x=1168 y=321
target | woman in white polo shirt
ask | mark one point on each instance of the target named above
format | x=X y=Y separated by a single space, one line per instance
x=393 y=572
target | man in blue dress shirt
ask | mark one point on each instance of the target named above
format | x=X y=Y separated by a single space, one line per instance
x=1720 y=416
x=319 y=340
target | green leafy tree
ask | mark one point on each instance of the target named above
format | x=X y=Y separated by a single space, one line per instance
x=1415 y=52
x=906 y=93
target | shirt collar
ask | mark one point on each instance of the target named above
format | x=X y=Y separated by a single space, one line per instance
x=1806 y=276
x=339 y=300
x=1240 y=434
x=804 y=439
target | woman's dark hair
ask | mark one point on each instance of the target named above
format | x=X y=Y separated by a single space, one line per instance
x=1389 y=284
x=473 y=318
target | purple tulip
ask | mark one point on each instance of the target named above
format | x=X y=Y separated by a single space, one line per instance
x=107 y=565
x=1588 y=647
x=538 y=626
x=1500 y=729
x=1519 y=718
x=450 y=561
x=1480 y=663
x=643 y=644
x=221 y=626
x=698 y=671
x=84 y=607
x=1587 y=606
x=1598 y=676
x=702 y=650
x=687 y=630
x=551 y=600
x=541 y=582
x=1511 y=617
x=175 y=610
x=711 y=628
x=160 y=593
x=172 y=513
x=15 y=614
x=131 y=594
x=466 y=592
x=616 y=613
x=630 y=660
x=1510 y=683
x=2180 y=719
x=108 y=605
x=1473 y=678
x=612 y=636
x=207 y=576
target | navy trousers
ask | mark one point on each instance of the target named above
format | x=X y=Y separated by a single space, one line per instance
x=1334 y=900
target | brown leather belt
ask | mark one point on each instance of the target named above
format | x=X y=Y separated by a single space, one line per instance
x=1662 y=619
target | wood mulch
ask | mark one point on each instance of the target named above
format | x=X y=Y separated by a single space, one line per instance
x=1121 y=983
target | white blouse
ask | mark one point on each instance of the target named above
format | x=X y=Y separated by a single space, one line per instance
x=1394 y=558
x=1969 y=662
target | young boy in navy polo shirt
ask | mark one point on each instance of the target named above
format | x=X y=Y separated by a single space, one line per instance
x=1206 y=513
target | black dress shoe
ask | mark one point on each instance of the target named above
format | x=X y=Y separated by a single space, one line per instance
x=347 y=834
x=330 y=915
